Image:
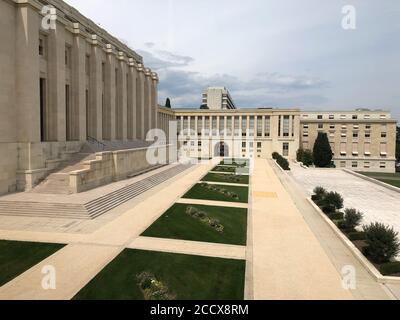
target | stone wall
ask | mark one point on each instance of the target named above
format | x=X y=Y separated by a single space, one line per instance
x=113 y=166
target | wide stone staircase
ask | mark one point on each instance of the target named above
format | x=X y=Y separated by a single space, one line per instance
x=94 y=208
x=57 y=182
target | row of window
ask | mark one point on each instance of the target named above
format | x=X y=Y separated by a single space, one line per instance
x=344 y=116
x=344 y=134
x=365 y=164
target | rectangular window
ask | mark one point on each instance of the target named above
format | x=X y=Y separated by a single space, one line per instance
x=267 y=126
x=285 y=149
x=237 y=125
x=367 y=149
x=319 y=117
x=343 y=164
x=354 y=117
x=354 y=164
x=320 y=125
x=343 y=149
x=244 y=126
x=259 y=145
x=331 y=117
x=368 y=135
x=382 y=165
x=41 y=47
x=259 y=126
x=251 y=126
x=355 y=149
x=355 y=134
x=383 y=149
x=286 y=125
x=383 y=135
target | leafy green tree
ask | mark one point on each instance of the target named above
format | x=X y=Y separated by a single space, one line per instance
x=168 y=103
x=299 y=155
x=352 y=219
x=322 y=152
x=308 y=158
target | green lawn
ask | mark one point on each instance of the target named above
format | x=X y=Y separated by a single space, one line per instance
x=188 y=277
x=227 y=178
x=381 y=174
x=18 y=257
x=175 y=223
x=199 y=192
x=236 y=162
x=395 y=183
x=224 y=169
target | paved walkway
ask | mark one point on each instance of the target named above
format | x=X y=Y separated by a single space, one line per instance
x=366 y=286
x=77 y=263
x=190 y=247
x=225 y=184
x=288 y=260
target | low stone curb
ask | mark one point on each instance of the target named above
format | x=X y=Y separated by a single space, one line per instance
x=355 y=251
x=380 y=183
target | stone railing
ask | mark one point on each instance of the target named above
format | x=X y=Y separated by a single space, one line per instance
x=113 y=166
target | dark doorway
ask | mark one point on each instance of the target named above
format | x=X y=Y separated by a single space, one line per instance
x=42 y=109
x=221 y=150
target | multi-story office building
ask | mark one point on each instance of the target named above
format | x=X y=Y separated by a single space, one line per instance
x=361 y=140
x=218 y=98
x=64 y=80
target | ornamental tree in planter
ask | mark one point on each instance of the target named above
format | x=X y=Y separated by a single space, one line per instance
x=382 y=242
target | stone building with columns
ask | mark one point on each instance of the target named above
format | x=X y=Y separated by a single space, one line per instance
x=64 y=81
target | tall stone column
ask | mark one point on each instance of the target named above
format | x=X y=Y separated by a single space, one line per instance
x=121 y=109
x=96 y=90
x=147 y=101
x=140 y=102
x=109 y=95
x=78 y=84
x=154 y=95
x=56 y=114
x=27 y=97
x=131 y=113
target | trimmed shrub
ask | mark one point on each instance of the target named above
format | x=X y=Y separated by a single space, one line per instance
x=283 y=162
x=308 y=158
x=382 y=242
x=356 y=236
x=352 y=218
x=331 y=202
x=299 y=155
x=319 y=194
x=390 y=268
x=336 y=216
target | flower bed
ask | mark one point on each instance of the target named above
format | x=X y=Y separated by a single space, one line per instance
x=220 y=190
x=152 y=288
x=204 y=218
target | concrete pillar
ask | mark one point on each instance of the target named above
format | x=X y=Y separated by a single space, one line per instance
x=154 y=95
x=56 y=114
x=121 y=107
x=78 y=84
x=109 y=96
x=147 y=101
x=131 y=113
x=140 y=132
x=27 y=97
x=96 y=90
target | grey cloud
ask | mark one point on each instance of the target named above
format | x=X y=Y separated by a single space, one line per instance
x=267 y=89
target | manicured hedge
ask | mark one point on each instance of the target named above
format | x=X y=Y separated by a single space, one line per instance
x=283 y=163
x=390 y=268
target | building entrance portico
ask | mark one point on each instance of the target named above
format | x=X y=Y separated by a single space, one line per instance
x=221 y=150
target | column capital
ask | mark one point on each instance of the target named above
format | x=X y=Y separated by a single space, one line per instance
x=147 y=72
x=139 y=67
x=154 y=76
x=109 y=48
x=121 y=56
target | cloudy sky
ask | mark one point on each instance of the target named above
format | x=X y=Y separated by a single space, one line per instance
x=275 y=53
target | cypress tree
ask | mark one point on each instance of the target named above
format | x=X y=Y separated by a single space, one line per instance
x=168 y=103
x=322 y=152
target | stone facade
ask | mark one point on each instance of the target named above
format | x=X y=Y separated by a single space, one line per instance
x=362 y=140
x=63 y=85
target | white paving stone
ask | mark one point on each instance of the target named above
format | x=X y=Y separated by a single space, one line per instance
x=376 y=202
